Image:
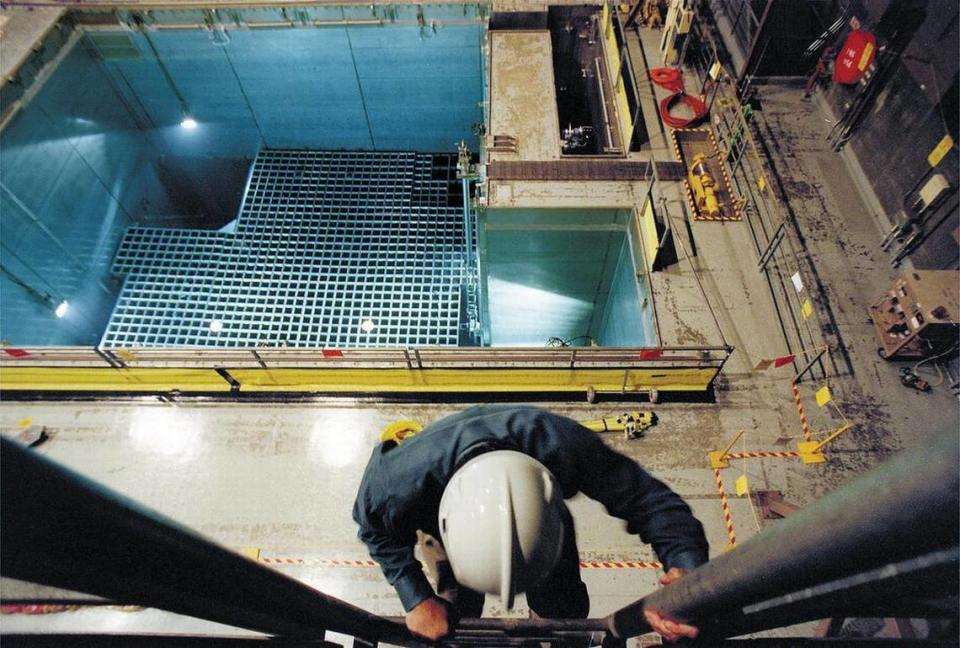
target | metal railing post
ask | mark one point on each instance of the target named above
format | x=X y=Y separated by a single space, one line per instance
x=771 y=248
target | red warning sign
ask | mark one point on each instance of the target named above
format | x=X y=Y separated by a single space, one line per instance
x=855 y=56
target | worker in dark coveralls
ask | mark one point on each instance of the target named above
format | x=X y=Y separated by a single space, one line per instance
x=490 y=482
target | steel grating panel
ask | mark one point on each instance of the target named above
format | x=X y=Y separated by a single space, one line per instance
x=588 y=169
x=326 y=245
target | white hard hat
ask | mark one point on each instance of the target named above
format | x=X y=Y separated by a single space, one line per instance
x=501 y=523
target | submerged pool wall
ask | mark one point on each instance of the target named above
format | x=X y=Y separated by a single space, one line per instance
x=561 y=275
x=76 y=170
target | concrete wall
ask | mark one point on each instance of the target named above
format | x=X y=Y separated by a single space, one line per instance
x=915 y=109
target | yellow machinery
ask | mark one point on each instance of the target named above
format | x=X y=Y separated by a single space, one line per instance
x=631 y=423
x=704 y=187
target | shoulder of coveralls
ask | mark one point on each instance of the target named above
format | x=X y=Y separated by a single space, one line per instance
x=401 y=479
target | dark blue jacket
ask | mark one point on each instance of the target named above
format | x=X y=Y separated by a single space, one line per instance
x=402 y=486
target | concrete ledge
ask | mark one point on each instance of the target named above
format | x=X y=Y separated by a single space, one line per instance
x=21 y=30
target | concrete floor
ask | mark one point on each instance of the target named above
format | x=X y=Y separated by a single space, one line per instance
x=282 y=478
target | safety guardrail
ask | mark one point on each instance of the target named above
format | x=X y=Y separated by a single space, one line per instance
x=419 y=358
x=425 y=371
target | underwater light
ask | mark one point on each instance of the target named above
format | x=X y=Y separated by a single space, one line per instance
x=62 y=309
x=367 y=326
x=189 y=123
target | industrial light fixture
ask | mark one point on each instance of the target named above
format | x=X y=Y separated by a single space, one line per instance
x=60 y=308
x=187 y=122
x=216 y=325
x=367 y=326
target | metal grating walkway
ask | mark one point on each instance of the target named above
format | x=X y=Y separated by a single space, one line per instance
x=591 y=169
x=331 y=249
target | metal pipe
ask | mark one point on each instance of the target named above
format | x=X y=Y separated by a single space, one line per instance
x=520 y=626
x=84 y=640
x=924 y=587
x=904 y=509
x=61 y=529
x=467 y=229
x=603 y=101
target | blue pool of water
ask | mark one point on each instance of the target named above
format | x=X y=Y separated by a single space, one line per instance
x=100 y=148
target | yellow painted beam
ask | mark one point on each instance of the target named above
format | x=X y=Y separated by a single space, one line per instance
x=648 y=233
x=356 y=380
x=110 y=379
x=471 y=380
x=616 y=78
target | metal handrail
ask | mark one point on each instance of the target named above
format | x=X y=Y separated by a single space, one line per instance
x=420 y=358
x=64 y=530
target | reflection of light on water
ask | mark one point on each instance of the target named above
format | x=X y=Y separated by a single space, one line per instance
x=523 y=315
x=336 y=439
x=165 y=431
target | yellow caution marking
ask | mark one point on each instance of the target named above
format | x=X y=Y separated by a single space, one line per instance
x=810 y=452
x=764 y=454
x=940 y=151
x=719 y=459
x=473 y=380
x=716 y=70
x=332 y=562
x=111 y=379
x=316 y=562
x=612 y=56
x=740 y=486
x=24 y=423
x=865 y=57
x=725 y=506
x=356 y=380
x=625 y=564
x=823 y=395
x=804 y=424
x=648 y=232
